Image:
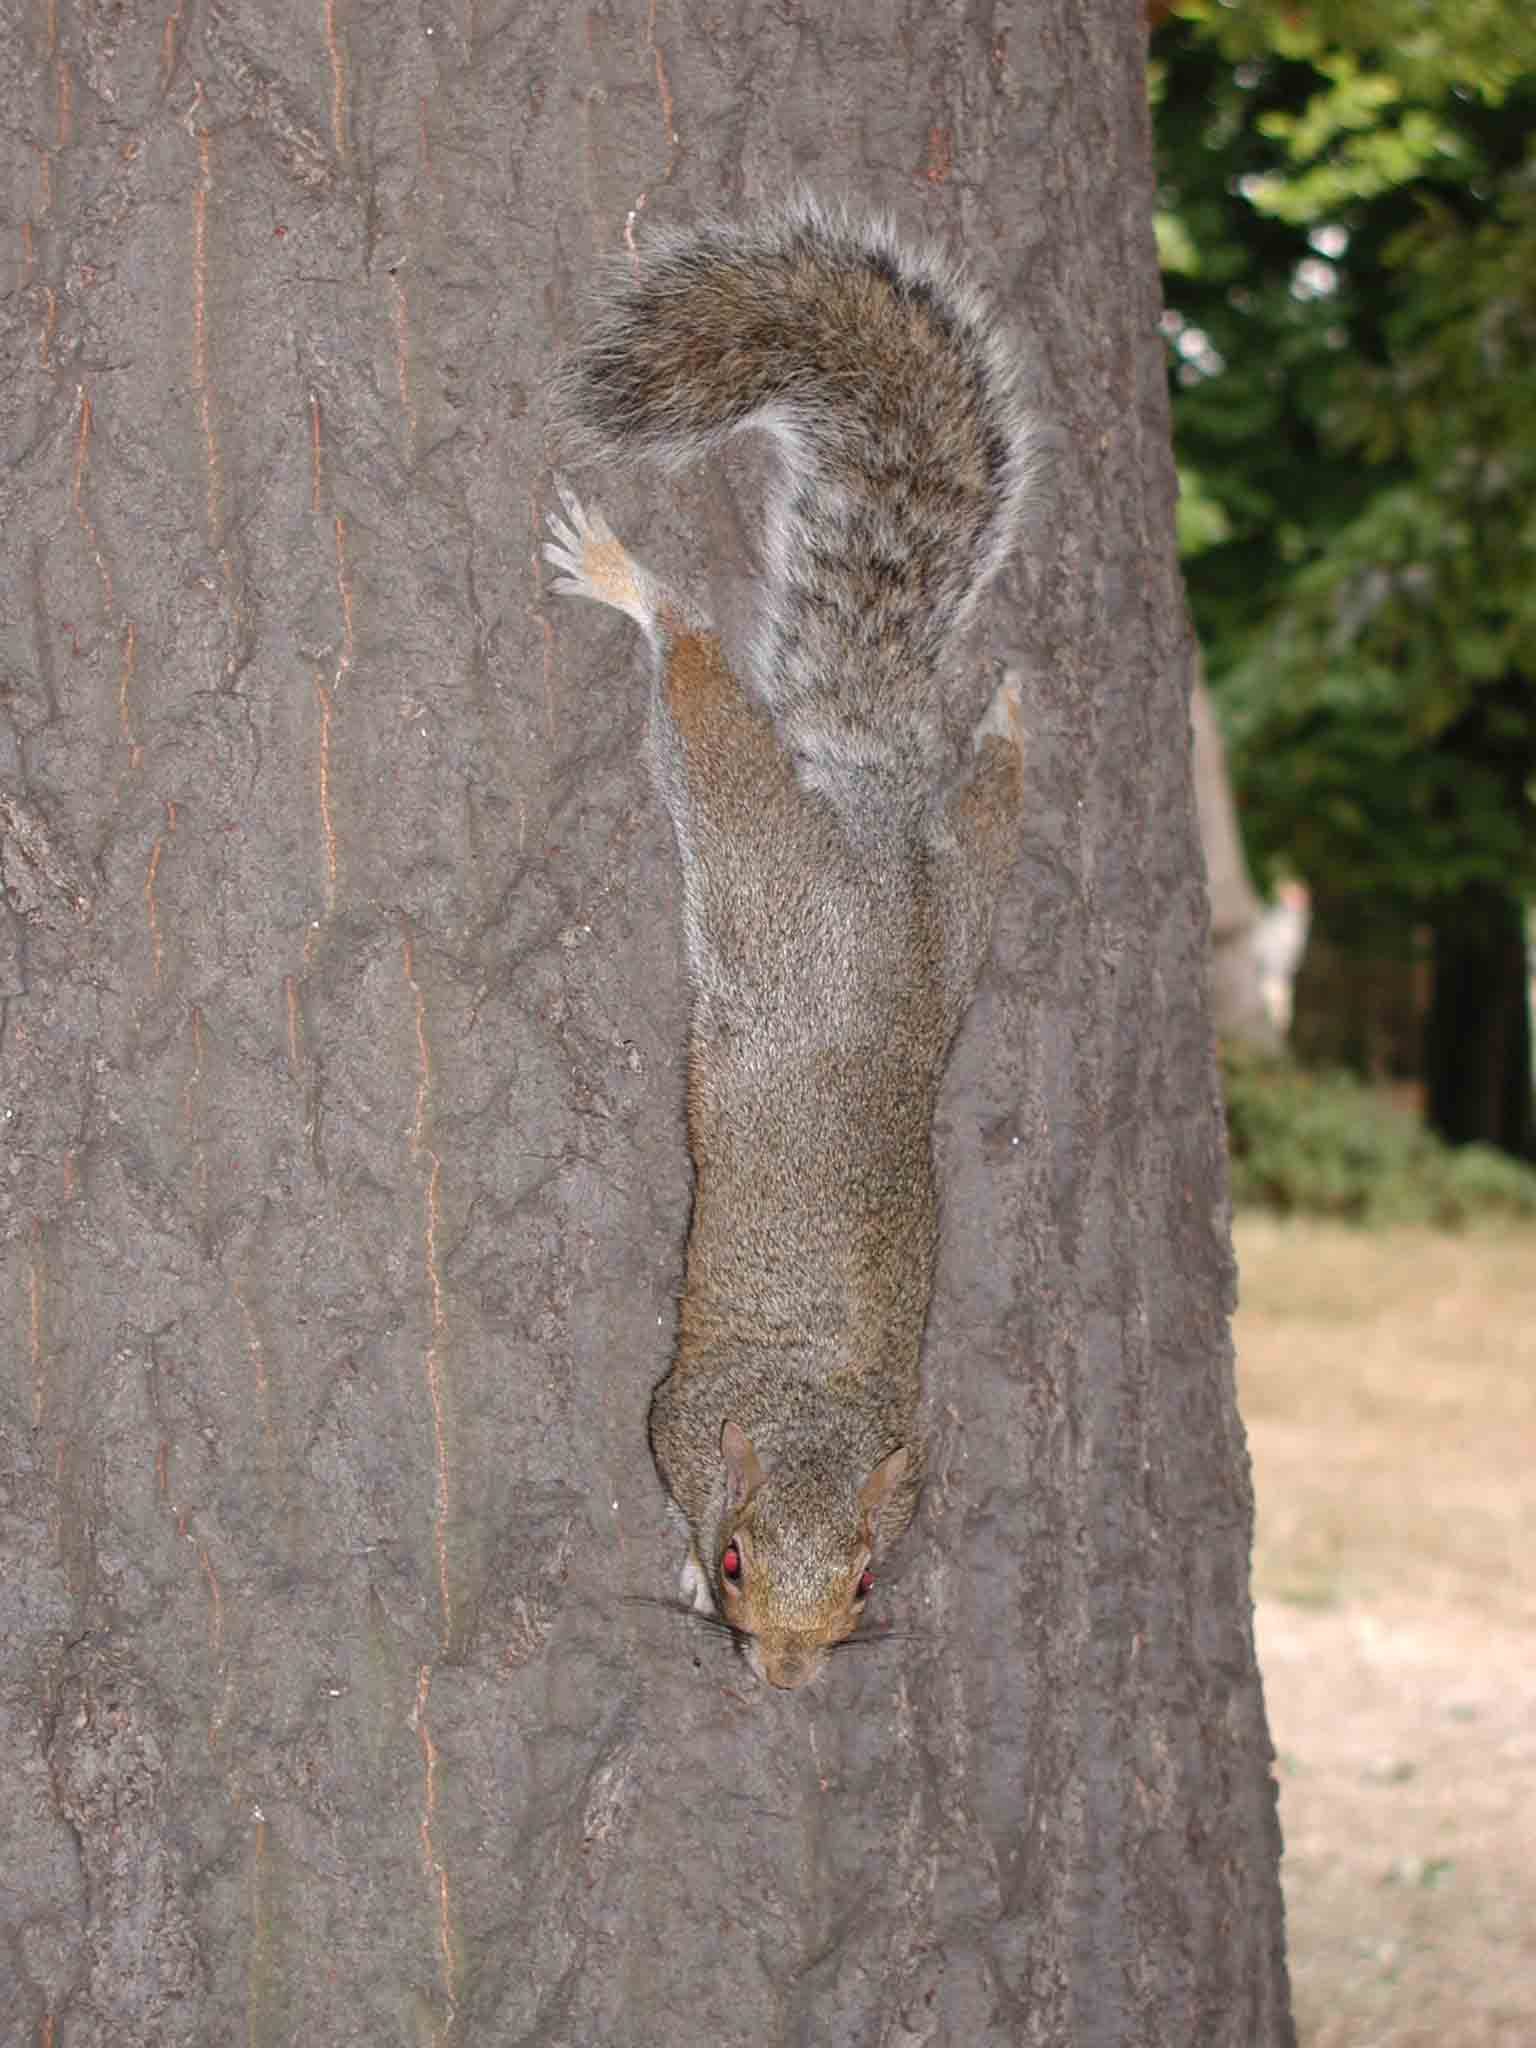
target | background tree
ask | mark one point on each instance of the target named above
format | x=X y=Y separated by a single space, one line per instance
x=346 y=1185
x=1238 y=1009
x=1350 y=245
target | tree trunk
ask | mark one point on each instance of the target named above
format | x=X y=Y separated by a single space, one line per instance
x=1238 y=1009
x=1477 y=1036
x=346 y=1186
x=1361 y=993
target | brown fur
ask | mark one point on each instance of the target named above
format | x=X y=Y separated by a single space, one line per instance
x=839 y=882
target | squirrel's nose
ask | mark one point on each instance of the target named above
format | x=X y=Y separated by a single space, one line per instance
x=785 y=1665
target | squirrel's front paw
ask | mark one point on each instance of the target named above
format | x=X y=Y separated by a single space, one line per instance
x=694 y=1586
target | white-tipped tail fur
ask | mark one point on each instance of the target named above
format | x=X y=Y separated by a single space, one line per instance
x=907 y=455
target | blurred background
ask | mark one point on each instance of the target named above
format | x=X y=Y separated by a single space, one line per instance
x=1348 y=237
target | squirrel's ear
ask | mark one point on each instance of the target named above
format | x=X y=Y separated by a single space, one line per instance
x=743 y=1473
x=878 y=1487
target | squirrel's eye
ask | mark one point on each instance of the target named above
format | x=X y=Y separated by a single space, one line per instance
x=866 y=1580
x=730 y=1563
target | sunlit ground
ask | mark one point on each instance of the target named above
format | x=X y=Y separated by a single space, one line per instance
x=1389 y=1387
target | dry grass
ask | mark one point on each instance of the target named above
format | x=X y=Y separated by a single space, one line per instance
x=1389 y=1387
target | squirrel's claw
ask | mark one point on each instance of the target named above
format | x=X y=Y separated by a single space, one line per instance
x=571 y=548
x=594 y=563
x=584 y=525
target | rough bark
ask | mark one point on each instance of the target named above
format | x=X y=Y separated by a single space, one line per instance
x=345 y=1186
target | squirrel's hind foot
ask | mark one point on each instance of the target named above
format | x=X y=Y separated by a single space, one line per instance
x=594 y=563
x=1003 y=718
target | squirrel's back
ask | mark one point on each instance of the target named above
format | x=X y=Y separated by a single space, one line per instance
x=907 y=457
x=840 y=867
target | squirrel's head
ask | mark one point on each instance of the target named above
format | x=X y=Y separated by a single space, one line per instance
x=792 y=1571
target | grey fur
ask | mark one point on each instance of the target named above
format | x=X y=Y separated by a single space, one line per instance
x=908 y=455
x=839 y=882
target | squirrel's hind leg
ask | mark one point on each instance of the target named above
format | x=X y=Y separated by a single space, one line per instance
x=981 y=838
x=986 y=811
x=596 y=564
x=1003 y=719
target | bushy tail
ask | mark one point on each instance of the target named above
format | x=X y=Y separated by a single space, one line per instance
x=907 y=454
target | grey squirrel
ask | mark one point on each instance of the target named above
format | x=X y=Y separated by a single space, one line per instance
x=839 y=869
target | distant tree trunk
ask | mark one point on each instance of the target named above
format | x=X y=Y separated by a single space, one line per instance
x=1238 y=1008
x=1478 y=1033
x=342 y=1038
x=1477 y=1042
x=1360 y=995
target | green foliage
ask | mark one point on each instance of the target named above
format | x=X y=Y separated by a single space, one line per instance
x=1478 y=46
x=1202 y=519
x=1350 y=194
x=1354 y=138
x=1345 y=165
x=1328 y=1145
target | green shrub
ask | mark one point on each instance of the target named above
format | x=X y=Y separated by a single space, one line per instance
x=1328 y=1145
